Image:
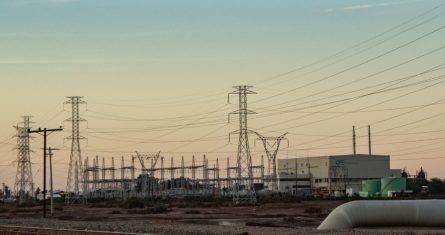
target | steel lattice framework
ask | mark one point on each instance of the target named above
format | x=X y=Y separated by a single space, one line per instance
x=271 y=147
x=244 y=188
x=24 y=186
x=75 y=168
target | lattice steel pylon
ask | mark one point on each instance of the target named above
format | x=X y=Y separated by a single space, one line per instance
x=24 y=185
x=244 y=188
x=74 y=172
x=271 y=147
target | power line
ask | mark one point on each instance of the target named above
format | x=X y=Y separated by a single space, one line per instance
x=155 y=128
x=385 y=130
x=361 y=111
x=356 y=45
x=433 y=69
x=164 y=119
x=276 y=110
x=350 y=99
x=356 y=65
x=154 y=141
x=366 y=107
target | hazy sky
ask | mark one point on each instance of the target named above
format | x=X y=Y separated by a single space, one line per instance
x=156 y=75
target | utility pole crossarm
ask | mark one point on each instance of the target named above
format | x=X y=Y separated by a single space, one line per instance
x=239 y=89
x=153 y=164
x=48 y=131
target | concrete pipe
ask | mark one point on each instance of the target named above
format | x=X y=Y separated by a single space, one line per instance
x=427 y=213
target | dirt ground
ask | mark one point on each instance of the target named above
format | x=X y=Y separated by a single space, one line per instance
x=270 y=218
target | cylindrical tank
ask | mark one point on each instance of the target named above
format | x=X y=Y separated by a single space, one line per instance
x=371 y=186
x=393 y=184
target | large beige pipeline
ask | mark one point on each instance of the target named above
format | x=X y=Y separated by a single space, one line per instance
x=427 y=213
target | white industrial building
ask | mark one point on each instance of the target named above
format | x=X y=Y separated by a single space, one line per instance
x=294 y=184
x=329 y=174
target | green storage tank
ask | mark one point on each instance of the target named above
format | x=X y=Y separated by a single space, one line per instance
x=393 y=184
x=372 y=187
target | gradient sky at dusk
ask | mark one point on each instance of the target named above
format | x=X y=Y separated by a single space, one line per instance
x=156 y=75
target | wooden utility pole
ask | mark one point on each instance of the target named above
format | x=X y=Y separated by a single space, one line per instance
x=45 y=132
x=353 y=140
x=369 y=139
x=296 y=176
x=50 y=154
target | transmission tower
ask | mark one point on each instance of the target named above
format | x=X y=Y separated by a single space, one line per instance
x=244 y=189
x=24 y=186
x=271 y=146
x=74 y=172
